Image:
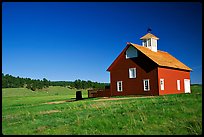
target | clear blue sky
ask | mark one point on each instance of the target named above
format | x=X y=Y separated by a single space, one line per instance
x=69 y=41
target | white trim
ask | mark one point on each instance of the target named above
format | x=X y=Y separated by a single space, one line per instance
x=178 y=84
x=148 y=85
x=119 y=86
x=162 y=84
x=131 y=72
x=154 y=45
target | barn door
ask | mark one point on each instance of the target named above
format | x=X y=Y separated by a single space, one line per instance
x=187 y=86
x=162 y=84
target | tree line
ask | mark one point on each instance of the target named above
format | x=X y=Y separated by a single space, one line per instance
x=9 y=81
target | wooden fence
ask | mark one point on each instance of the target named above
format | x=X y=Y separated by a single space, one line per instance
x=99 y=93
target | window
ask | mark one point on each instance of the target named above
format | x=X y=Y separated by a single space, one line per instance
x=149 y=42
x=132 y=72
x=178 y=84
x=146 y=84
x=119 y=86
x=131 y=52
x=145 y=43
x=162 y=84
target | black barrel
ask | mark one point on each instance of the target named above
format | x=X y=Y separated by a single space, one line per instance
x=78 y=95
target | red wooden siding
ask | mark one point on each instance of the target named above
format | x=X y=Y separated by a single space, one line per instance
x=145 y=69
x=170 y=77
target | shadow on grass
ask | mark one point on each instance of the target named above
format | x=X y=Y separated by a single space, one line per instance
x=74 y=99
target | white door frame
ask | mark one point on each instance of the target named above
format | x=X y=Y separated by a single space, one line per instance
x=187 y=88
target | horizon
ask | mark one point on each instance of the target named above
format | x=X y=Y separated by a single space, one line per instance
x=88 y=80
x=54 y=80
x=66 y=41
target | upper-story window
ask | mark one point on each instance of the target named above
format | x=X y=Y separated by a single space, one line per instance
x=132 y=72
x=131 y=52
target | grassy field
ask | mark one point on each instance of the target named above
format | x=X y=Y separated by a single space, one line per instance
x=26 y=112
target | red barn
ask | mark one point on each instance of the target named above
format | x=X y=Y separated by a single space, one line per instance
x=144 y=70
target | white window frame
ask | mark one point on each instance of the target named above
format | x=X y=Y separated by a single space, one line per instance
x=130 y=72
x=178 y=84
x=148 y=89
x=161 y=80
x=119 y=83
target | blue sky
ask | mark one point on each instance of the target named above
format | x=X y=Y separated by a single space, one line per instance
x=69 y=41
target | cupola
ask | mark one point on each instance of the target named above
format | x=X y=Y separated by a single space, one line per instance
x=150 y=41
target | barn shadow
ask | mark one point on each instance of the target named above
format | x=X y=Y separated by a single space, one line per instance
x=75 y=99
x=144 y=62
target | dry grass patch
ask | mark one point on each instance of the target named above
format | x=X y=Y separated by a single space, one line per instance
x=49 y=112
x=58 y=102
x=41 y=128
x=55 y=102
x=98 y=105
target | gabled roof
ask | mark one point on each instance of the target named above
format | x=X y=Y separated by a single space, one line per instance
x=149 y=35
x=118 y=58
x=161 y=58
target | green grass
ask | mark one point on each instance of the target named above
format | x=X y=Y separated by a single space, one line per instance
x=23 y=112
